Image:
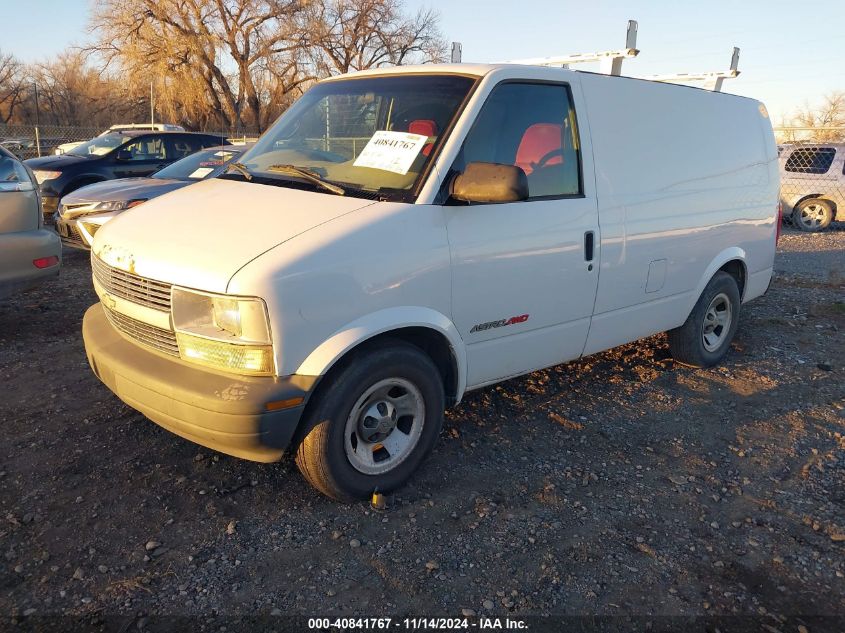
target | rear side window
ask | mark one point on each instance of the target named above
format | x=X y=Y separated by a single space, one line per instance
x=810 y=160
x=11 y=171
x=533 y=127
x=146 y=149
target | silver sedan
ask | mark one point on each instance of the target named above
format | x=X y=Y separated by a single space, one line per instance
x=29 y=253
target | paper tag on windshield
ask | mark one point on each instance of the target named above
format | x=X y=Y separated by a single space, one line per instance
x=391 y=151
x=201 y=172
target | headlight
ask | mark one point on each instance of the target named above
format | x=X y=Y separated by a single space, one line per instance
x=111 y=205
x=42 y=175
x=117 y=205
x=227 y=333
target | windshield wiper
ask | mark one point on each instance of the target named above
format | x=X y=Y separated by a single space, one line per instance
x=309 y=175
x=240 y=168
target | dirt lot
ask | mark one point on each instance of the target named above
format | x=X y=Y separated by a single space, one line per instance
x=621 y=484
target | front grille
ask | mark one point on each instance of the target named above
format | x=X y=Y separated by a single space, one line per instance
x=146 y=292
x=146 y=334
x=73 y=237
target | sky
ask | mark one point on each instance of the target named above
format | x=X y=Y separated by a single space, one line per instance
x=786 y=57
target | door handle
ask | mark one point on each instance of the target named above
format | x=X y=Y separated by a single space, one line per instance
x=589 y=246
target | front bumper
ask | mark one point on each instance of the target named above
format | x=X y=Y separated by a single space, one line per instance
x=69 y=233
x=224 y=412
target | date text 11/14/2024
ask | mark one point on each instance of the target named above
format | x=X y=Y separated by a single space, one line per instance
x=415 y=624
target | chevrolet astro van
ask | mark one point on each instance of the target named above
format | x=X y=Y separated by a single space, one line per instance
x=401 y=236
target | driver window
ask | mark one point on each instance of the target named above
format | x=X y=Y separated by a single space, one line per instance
x=533 y=127
x=148 y=148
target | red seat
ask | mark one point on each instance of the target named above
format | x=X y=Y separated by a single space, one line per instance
x=424 y=127
x=539 y=141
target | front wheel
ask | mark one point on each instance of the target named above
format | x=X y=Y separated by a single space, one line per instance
x=374 y=424
x=704 y=338
x=813 y=215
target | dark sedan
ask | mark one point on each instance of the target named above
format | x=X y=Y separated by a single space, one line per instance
x=82 y=212
x=119 y=155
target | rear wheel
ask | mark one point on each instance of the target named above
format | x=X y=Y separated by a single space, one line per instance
x=704 y=339
x=813 y=215
x=373 y=426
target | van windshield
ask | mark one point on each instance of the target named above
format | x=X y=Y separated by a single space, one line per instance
x=373 y=135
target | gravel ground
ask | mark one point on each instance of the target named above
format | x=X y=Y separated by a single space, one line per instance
x=622 y=484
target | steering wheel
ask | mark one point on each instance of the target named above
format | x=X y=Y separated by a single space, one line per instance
x=545 y=159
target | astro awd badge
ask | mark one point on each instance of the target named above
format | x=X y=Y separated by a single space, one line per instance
x=500 y=323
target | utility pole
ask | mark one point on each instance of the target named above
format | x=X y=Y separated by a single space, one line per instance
x=152 y=107
x=37 y=134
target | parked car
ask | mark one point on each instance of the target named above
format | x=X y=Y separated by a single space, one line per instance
x=813 y=184
x=29 y=253
x=114 y=155
x=401 y=236
x=125 y=127
x=82 y=212
x=22 y=148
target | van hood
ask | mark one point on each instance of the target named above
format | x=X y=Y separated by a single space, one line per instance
x=200 y=236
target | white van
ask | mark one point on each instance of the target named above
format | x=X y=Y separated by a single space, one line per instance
x=401 y=236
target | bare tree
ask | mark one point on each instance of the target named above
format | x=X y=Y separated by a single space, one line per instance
x=208 y=58
x=12 y=86
x=358 y=34
x=72 y=92
x=822 y=121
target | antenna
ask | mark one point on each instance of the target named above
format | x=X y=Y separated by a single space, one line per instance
x=611 y=61
x=711 y=80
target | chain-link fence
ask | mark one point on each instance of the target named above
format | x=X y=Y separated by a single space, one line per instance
x=812 y=170
x=31 y=141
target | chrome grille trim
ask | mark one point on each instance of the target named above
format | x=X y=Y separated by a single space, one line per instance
x=74 y=238
x=146 y=292
x=144 y=333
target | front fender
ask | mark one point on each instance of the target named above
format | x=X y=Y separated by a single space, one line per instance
x=322 y=359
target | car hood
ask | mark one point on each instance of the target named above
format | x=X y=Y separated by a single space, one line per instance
x=54 y=162
x=124 y=190
x=200 y=236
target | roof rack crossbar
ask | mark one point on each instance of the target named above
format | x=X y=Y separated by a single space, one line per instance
x=711 y=80
x=611 y=61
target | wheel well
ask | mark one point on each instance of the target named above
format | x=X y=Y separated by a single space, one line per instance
x=816 y=195
x=736 y=269
x=434 y=344
x=430 y=341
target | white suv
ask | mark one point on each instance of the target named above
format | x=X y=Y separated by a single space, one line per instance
x=401 y=236
x=813 y=184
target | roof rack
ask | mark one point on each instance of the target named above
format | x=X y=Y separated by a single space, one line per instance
x=711 y=81
x=611 y=62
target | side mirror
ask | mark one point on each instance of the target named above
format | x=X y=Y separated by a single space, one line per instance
x=124 y=154
x=490 y=182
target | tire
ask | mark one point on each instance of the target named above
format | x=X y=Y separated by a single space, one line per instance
x=813 y=215
x=700 y=343
x=357 y=413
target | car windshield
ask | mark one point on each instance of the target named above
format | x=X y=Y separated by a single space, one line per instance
x=100 y=145
x=206 y=163
x=368 y=135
